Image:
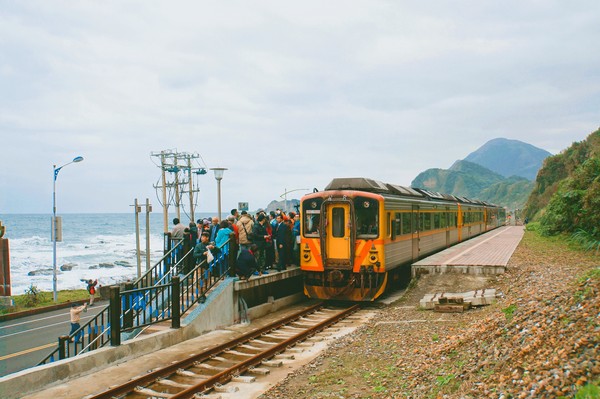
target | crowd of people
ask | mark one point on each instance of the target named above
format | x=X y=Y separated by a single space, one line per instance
x=266 y=240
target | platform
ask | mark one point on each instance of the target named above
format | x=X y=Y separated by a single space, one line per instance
x=488 y=253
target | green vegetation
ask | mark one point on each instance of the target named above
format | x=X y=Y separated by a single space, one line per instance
x=509 y=311
x=566 y=199
x=34 y=298
x=589 y=391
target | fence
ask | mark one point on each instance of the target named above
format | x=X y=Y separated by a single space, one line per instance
x=161 y=294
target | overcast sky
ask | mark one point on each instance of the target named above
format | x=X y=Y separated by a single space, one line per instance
x=286 y=95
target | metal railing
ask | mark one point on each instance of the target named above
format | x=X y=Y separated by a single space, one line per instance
x=161 y=294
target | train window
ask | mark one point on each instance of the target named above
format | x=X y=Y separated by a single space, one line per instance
x=338 y=222
x=367 y=217
x=444 y=220
x=406 y=229
x=426 y=221
x=312 y=218
x=436 y=220
x=398 y=224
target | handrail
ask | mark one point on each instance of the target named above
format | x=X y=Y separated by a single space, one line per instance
x=193 y=288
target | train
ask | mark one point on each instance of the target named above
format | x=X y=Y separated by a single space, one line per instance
x=360 y=236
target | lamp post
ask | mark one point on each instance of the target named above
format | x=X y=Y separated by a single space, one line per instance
x=55 y=227
x=219 y=176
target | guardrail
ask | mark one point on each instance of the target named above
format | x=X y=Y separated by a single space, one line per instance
x=161 y=294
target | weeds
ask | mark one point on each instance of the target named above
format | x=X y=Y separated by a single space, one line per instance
x=509 y=311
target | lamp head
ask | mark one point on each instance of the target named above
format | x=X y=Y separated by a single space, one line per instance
x=78 y=159
x=218 y=172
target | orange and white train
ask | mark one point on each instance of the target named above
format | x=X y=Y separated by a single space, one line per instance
x=360 y=236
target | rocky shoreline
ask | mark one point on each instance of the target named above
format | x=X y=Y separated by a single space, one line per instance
x=540 y=340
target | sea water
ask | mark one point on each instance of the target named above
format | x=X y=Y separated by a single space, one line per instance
x=98 y=246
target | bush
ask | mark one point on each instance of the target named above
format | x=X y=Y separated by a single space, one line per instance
x=33 y=296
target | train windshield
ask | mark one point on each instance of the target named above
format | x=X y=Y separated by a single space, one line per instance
x=312 y=219
x=367 y=217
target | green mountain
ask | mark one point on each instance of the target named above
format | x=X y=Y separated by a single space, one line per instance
x=566 y=196
x=500 y=172
x=470 y=180
x=510 y=158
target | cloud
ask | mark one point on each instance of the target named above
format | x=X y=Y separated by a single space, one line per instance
x=285 y=95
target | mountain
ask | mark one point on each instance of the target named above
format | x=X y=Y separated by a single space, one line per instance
x=463 y=178
x=501 y=171
x=467 y=179
x=510 y=158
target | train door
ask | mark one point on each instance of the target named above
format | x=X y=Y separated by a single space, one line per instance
x=415 y=231
x=446 y=224
x=338 y=233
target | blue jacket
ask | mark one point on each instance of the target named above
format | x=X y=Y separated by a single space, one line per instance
x=222 y=237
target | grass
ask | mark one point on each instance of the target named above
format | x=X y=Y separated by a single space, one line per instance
x=26 y=301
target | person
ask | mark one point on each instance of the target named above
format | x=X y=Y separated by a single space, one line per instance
x=214 y=228
x=222 y=246
x=260 y=236
x=280 y=235
x=177 y=231
x=297 y=238
x=202 y=248
x=246 y=262
x=75 y=318
x=91 y=289
x=236 y=215
x=187 y=246
x=193 y=234
x=245 y=225
x=233 y=226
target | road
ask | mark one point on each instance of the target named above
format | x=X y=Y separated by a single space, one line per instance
x=24 y=342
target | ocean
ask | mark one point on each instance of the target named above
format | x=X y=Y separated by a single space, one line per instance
x=97 y=246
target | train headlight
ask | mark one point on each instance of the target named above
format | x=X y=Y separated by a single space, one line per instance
x=373 y=255
x=306 y=255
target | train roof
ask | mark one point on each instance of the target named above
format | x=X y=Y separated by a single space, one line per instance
x=376 y=186
x=371 y=186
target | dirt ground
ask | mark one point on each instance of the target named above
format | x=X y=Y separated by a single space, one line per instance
x=540 y=340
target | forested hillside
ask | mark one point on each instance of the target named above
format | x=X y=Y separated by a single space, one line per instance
x=566 y=197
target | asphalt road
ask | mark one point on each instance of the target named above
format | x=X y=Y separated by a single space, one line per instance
x=24 y=342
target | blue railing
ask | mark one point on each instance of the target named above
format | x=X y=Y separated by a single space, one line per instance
x=162 y=293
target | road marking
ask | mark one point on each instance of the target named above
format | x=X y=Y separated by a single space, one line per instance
x=43 y=327
x=26 y=351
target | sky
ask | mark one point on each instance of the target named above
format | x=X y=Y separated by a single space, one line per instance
x=285 y=95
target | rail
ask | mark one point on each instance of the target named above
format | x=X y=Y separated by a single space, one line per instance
x=161 y=294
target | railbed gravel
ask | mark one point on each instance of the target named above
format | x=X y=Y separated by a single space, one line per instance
x=539 y=340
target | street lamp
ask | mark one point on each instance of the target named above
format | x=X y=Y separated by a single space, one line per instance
x=55 y=227
x=219 y=176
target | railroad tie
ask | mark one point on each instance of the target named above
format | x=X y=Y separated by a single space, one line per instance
x=152 y=393
x=209 y=367
x=259 y=371
x=244 y=378
x=236 y=353
x=272 y=363
x=225 y=389
x=284 y=356
x=164 y=381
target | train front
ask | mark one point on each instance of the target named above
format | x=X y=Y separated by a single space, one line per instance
x=341 y=249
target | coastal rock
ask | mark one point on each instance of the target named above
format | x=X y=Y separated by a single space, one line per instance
x=106 y=265
x=67 y=267
x=41 y=272
x=123 y=263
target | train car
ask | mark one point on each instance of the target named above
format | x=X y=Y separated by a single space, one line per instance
x=359 y=236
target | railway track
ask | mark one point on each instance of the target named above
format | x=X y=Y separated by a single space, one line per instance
x=240 y=359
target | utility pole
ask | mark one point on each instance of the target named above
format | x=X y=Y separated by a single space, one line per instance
x=177 y=174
